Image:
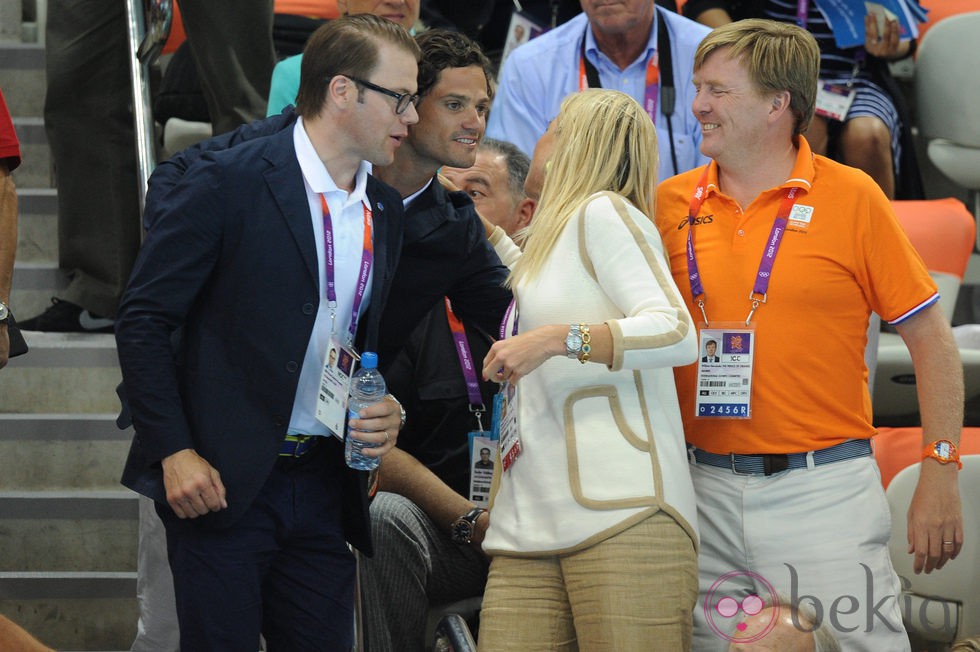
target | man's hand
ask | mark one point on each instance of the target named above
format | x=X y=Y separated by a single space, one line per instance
x=378 y=426
x=193 y=486
x=935 y=516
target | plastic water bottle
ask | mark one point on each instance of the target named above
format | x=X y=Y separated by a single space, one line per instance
x=367 y=388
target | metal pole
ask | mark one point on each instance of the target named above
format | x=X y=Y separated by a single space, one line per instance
x=145 y=44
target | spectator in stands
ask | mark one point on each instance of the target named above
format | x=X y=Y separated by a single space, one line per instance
x=270 y=553
x=87 y=117
x=9 y=160
x=875 y=134
x=593 y=500
x=285 y=76
x=445 y=252
x=495 y=183
x=613 y=45
x=775 y=484
x=232 y=45
x=89 y=125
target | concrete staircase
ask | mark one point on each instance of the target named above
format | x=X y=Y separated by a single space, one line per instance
x=67 y=528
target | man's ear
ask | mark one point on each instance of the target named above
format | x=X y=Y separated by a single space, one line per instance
x=342 y=90
x=780 y=102
x=525 y=211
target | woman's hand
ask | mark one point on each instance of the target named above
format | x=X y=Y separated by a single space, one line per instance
x=515 y=357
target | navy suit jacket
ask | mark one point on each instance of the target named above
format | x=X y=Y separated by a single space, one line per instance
x=231 y=260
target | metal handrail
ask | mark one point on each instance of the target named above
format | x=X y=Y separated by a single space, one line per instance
x=148 y=23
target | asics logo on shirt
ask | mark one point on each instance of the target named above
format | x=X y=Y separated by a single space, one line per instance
x=701 y=219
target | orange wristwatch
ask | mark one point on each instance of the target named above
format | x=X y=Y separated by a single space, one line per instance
x=943 y=451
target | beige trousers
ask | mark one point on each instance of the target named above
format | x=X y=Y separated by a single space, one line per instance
x=633 y=591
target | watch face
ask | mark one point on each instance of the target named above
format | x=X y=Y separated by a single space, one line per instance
x=573 y=342
x=944 y=450
x=3 y=311
x=462 y=531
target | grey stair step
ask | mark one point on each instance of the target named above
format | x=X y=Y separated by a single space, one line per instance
x=87 y=622
x=37 y=201
x=68 y=532
x=37 y=227
x=61 y=452
x=63 y=372
x=22 y=68
x=34 y=283
x=35 y=169
x=29 y=585
x=61 y=427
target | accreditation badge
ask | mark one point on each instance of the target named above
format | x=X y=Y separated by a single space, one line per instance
x=331 y=401
x=483 y=458
x=505 y=425
x=834 y=100
x=724 y=379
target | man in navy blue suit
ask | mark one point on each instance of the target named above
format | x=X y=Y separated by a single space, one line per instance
x=262 y=258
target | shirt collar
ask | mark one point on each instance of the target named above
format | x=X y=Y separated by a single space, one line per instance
x=315 y=173
x=800 y=177
x=408 y=200
x=594 y=55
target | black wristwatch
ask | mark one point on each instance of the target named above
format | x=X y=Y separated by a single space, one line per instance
x=4 y=312
x=463 y=527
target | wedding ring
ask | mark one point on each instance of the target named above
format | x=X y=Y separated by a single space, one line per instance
x=387 y=437
x=947 y=543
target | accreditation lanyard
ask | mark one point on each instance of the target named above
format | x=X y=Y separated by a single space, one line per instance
x=367 y=259
x=588 y=77
x=758 y=294
x=466 y=363
x=505 y=405
x=802 y=9
x=511 y=309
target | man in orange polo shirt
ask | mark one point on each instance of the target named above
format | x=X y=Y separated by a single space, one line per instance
x=782 y=256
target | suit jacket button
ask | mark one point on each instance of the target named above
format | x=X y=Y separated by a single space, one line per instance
x=291 y=366
x=308 y=308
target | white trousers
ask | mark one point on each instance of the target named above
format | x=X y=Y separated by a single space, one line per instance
x=817 y=536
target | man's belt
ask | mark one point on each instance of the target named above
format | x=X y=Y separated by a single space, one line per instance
x=297 y=445
x=767 y=464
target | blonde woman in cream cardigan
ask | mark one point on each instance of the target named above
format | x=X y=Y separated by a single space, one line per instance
x=592 y=527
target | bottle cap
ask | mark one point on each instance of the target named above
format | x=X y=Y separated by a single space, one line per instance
x=369 y=360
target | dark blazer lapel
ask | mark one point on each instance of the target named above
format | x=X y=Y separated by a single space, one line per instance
x=285 y=181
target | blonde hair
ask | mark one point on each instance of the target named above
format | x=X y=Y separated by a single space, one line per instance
x=779 y=56
x=604 y=140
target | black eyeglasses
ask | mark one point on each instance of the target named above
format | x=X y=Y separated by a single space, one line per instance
x=402 y=100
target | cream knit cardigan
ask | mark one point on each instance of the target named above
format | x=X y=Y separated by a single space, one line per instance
x=603 y=447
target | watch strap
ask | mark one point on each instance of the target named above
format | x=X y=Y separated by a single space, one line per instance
x=573 y=341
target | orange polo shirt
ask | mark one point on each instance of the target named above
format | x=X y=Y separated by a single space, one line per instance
x=809 y=381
